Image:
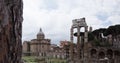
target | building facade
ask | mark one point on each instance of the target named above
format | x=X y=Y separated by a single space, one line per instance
x=37 y=47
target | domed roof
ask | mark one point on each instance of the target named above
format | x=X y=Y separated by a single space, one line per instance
x=40 y=32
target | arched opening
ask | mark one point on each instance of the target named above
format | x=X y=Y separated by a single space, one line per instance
x=117 y=56
x=93 y=53
x=116 y=53
x=109 y=54
x=101 y=55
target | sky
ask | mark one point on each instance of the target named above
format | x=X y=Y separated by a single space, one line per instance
x=55 y=16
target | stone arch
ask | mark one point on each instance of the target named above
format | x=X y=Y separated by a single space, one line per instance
x=116 y=53
x=117 y=56
x=109 y=53
x=101 y=55
x=93 y=53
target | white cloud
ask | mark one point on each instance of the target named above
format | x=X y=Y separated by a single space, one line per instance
x=115 y=19
x=55 y=16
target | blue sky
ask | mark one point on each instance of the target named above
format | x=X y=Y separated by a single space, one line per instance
x=55 y=16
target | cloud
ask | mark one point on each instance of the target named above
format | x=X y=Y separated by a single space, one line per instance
x=115 y=19
x=55 y=16
x=50 y=4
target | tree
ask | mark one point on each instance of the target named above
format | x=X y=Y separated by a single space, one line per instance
x=96 y=42
x=113 y=30
x=99 y=31
x=90 y=36
x=11 y=31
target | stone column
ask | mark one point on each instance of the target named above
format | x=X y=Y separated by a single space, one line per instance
x=78 y=43
x=71 y=45
x=86 y=35
x=84 y=43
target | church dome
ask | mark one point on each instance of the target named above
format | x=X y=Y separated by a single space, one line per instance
x=40 y=34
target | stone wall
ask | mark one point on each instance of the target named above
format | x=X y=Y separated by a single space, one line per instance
x=11 y=31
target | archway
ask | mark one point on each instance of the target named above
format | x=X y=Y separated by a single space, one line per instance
x=116 y=53
x=102 y=58
x=101 y=55
x=109 y=54
x=117 y=56
x=93 y=53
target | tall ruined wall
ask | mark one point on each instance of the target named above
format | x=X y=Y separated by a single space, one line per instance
x=10 y=31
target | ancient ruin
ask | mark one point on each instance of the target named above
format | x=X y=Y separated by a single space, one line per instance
x=77 y=24
x=86 y=48
x=11 y=31
x=97 y=50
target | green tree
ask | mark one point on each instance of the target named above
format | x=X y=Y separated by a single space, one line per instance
x=113 y=30
x=97 y=32
x=90 y=36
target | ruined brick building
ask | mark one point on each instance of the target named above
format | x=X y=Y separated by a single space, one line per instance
x=104 y=49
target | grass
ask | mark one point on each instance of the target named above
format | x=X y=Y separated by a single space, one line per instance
x=29 y=59
x=33 y=59
x=56 y=60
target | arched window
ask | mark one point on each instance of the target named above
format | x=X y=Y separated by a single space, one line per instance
x=116 y=53
x=101 y=55
x=93 y=53
x=109 y=53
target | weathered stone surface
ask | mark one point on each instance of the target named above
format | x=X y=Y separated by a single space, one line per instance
x=10 y=31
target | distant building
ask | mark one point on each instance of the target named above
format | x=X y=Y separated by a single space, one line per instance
x=64 y=43
x=43 y=47
x=57 y=52
x=90 y=29
x=37 y=47
x=26 y=47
